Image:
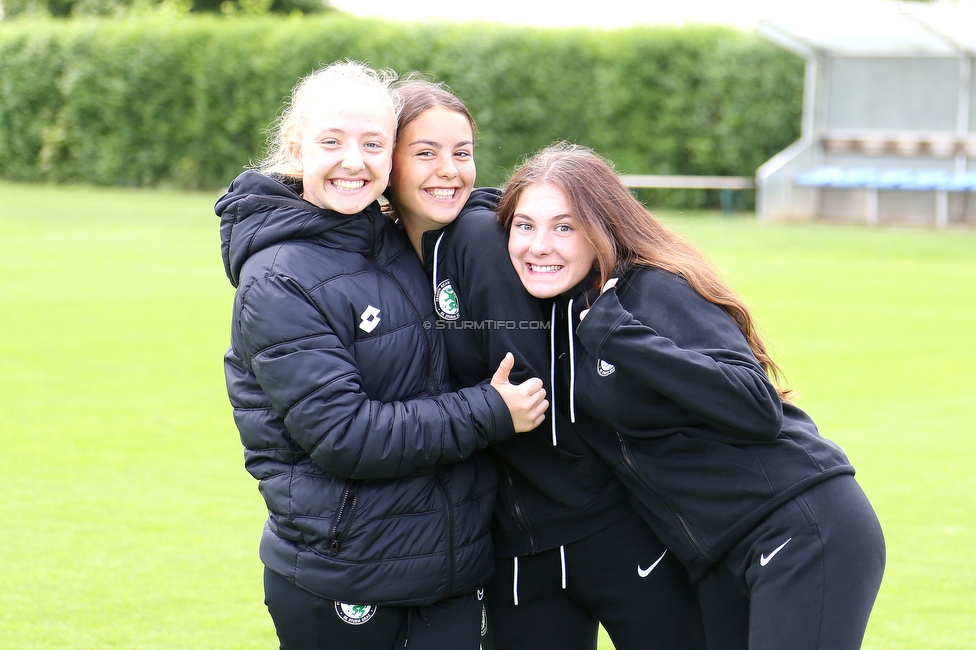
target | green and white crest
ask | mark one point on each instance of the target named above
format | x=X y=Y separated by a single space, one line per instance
x=446 y=301
x=355 y=614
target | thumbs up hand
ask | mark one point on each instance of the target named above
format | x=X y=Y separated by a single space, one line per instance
x=526 y=401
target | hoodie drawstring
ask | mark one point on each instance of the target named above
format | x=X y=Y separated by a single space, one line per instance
x=437 y=246
x=572 y=363
x=562 y=564
x=552 y=369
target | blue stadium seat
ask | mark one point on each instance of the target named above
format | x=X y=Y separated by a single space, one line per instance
x=887 y=179
x=928 y=179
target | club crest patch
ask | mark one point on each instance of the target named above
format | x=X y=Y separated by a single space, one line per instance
x=355 y=614
x=446 y=301
x=604 y=369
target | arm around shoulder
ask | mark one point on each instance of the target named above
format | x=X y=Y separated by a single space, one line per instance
x=686 y=349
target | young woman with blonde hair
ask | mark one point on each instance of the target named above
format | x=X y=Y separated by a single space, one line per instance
x=379 y=504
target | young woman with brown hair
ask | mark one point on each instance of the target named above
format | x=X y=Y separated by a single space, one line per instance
x=733 y=477
x=570 y=552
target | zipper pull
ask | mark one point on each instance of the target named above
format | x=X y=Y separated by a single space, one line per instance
x=334 y=547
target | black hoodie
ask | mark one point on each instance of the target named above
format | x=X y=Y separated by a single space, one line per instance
x=375 y=490
x=699 y=435
x=553 y=489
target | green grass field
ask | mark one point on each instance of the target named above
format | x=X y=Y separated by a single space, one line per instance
x=129 y=522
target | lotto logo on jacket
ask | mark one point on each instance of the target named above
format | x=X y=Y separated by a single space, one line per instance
x=370 y=319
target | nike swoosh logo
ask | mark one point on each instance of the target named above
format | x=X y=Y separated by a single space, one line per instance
x=764 y=559
x=646 y=572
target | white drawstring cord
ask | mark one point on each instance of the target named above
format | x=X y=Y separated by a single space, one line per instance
x=434 y=277
x=515 y=581
x=562 y=563
x=552 y=368
x=572 y=363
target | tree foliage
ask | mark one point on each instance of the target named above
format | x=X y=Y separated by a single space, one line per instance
x=186 y=102
x=117 y=8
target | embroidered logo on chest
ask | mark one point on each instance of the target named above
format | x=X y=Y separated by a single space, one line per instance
x=604 y=369
x=446 y=301
x=370 y=319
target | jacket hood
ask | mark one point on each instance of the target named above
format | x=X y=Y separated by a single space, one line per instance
x=259 y=211
x=483 y=198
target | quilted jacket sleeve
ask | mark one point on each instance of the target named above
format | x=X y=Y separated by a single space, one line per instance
x=314 y=384
x=679 y=345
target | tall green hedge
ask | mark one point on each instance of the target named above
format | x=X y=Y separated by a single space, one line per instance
x=185 y=102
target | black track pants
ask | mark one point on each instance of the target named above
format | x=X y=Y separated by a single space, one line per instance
x=810 y=572
x=305 y=621
x=620 y=577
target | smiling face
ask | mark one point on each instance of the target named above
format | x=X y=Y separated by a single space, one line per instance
x=433 y=170
x=345 y=151
x=550 y=255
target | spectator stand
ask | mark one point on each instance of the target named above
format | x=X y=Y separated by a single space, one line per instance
x=889 y=115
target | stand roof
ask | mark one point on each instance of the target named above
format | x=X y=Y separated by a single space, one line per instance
x=873 y=28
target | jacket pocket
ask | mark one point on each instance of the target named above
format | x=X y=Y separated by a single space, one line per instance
x=345 y=510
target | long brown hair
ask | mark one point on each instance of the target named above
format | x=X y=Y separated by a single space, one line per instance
x=623 y=233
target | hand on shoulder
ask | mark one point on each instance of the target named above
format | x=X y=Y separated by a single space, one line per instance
x=611 y=283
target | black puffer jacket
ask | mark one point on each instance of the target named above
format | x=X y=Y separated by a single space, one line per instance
x=369 y=469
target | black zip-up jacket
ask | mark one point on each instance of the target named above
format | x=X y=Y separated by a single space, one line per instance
x=703 y=442
x=553 y=489
x=369 y=469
